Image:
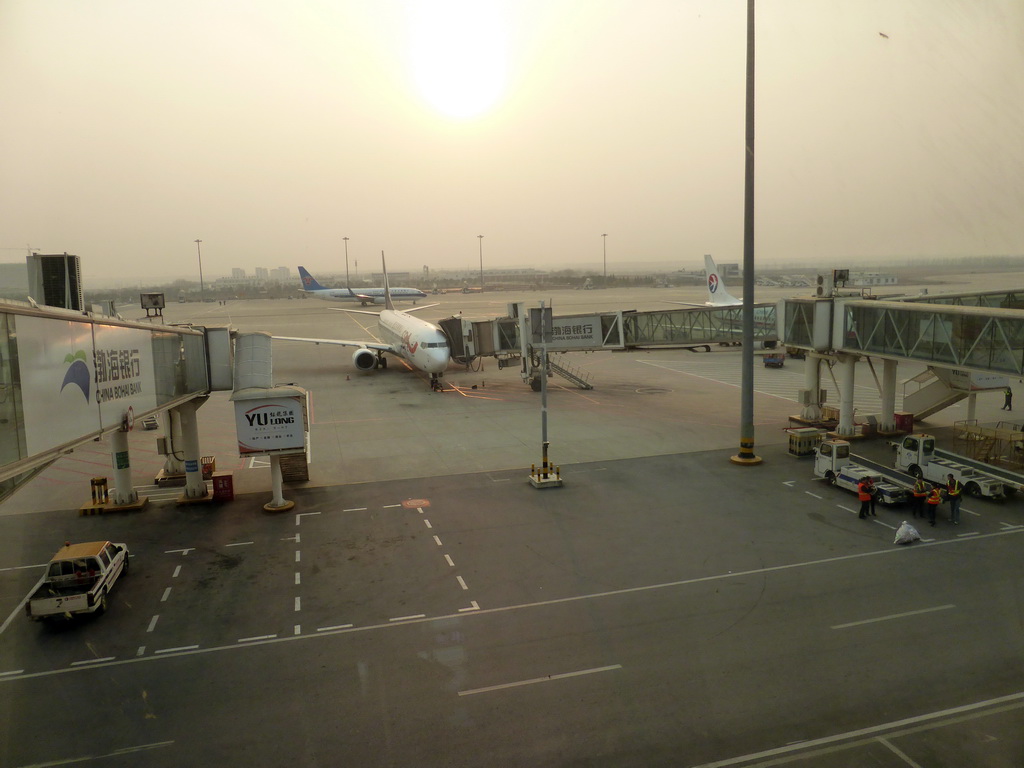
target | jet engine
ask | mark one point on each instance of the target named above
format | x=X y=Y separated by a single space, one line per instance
x=364 y=359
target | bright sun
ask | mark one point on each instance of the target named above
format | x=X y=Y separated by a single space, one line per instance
x=458 y=53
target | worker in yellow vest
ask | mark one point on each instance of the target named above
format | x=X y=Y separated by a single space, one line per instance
x=934 y=499
x=920 y=494
x=954 y=492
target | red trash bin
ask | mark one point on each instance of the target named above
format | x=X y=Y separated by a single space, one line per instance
x=223 y=486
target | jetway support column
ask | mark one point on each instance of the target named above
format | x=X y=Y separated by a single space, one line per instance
x=812 y=383
x=972 y=405
x=847 y=379
x=195 y=488
x=124 y=492
x=887 y=418
x=173 y=464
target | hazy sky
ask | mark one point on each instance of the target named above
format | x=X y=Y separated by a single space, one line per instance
x=270 y=130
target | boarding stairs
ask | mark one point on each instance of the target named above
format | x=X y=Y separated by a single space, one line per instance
x=576 y=375
x=931 y=394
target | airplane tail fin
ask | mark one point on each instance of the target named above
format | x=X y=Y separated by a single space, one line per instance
x=718 y=294
x=309 y=282
x=387 y=289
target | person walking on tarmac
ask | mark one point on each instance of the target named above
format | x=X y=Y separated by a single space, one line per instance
x=954 y=492
x=864 y=496
x=920 y=494
x=934 y=499
x=1007 y=399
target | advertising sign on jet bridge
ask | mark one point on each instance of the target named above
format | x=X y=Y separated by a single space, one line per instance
x=83 y=378
x=575 y=332
x=269 y=425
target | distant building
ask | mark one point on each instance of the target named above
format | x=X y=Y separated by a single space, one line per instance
x=237 y=273
x=262 y=273
x=866 y=279
x=281 y=274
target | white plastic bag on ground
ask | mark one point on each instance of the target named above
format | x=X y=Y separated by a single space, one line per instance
x=906 y=533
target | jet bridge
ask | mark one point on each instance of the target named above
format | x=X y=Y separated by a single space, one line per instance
x=512 y=340
x=965 y=333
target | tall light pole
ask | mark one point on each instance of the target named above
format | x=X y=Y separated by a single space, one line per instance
x=347 y=283
x=604 y=249
x=200 y=252
x=480 y=238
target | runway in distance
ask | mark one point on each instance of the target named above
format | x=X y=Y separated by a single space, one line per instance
x=718 y=294
x=364 y=295
x=420 y=343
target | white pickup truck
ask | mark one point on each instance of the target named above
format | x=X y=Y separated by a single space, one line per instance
x=77 y=580
x=918 y=456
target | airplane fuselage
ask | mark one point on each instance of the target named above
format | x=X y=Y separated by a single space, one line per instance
x=421 y=343
x=367 y=295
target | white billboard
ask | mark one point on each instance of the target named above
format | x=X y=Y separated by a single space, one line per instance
x=74 y=383
x=268 y=425
x=576 y=332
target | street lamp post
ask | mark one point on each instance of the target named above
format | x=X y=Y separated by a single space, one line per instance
x=200 y=252
x=480 y=238
x=347 y=283
x=604 y=249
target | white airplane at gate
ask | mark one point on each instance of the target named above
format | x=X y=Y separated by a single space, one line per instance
x=420 y=343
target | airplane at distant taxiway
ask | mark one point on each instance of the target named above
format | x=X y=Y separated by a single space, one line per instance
x=364 y=295
x=718 y=294
x=420 y=343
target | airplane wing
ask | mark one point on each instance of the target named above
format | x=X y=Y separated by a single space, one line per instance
x=341 y=343
x=685 y=303
x=423 y=306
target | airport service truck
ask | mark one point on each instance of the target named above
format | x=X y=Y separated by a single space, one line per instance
x=916 y=455
x=834 y=462
x=77 y=580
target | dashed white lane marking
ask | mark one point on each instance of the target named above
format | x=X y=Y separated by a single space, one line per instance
x=427 y=522
x=12 y=672
x=893 y=616
x=546 y=679
x=296 y=538
x=964 y=535
x=298 y=554
x=176 y=650
x=141 y=651
x=391 y=506
x=240 y=544
x=890 y=527
x=462 y=582
x=258 y=637
x=177 y=570
x=448 y=559
x=355 y=509
x=298 y=629
x=420 y=510
x=437 y=541
x=179 y=551
x=167 y=593
x=298 y=603
x=92 y=661
x=336 y=626
x=152 y=623
x=406 y=618
x=298 y=578
x=814 y=495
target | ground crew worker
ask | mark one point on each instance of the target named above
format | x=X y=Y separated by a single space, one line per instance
x=920 y=494
x=874 y=494
x=934 y=499
x=954 y=492
x=1007 y=399
x=864 y=496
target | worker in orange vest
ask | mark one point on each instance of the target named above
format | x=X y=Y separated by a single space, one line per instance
x=934 y=499
x=864 y=496
x=920 y=494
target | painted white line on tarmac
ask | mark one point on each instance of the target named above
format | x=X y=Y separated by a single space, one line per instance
x=547 y=679
x=298 y=603
x=391 y=506
x=355 y=509
x=814 y=495
x=167 y=593
x=152 y=623
x=335 y=627
x=298 y=578
x=462 y=583
x=240 y=544
x=179 y=551
x=12 y=672
x=448 y=559
x=427 y=523
x=177 y=570
x=473 y=606
x=23 y=567
x=92 y=758
x=92 y=661
x=437 y=541
x=406 y=618
x=253 y=639
x=898 y=752
x=176 y=650
x=890 y=527
x=894 y=616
